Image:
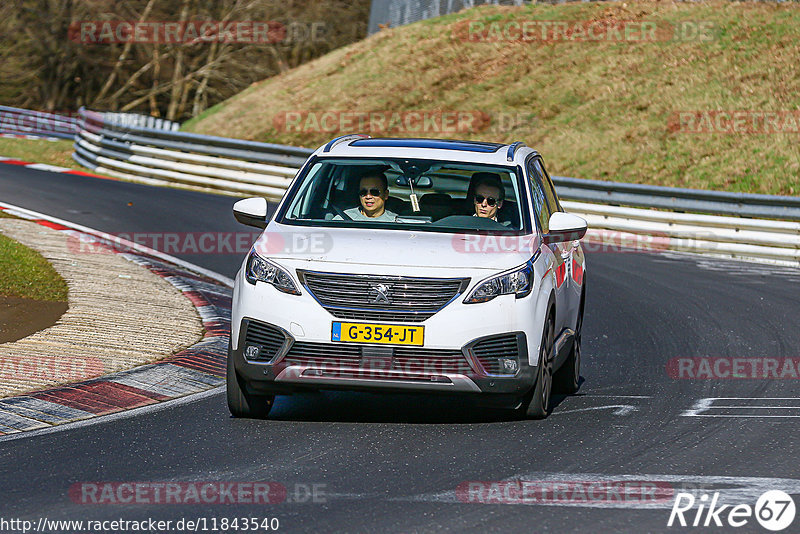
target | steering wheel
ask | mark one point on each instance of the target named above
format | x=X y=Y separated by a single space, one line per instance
x=340 y=212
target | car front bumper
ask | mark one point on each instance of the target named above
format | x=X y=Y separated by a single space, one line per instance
x=285 y=375
x=452 y=332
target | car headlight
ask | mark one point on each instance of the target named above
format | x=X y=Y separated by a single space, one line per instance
x=260 y=269
x=517 y=282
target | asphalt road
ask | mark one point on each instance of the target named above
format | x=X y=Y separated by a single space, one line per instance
x=395 y=462
x=127 y=209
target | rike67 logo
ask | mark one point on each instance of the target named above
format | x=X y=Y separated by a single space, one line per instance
x=774 y=510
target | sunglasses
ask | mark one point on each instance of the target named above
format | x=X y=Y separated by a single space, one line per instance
x=375 y=192
x=489 y=200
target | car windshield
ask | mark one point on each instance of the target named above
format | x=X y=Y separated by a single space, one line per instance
x=395 y=193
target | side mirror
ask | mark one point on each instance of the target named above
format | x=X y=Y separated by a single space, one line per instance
x=565 y=227
x=252 y=212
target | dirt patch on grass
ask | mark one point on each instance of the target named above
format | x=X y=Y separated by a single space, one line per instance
x=20 y=317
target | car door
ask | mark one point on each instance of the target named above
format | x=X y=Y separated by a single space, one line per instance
x=557 y=253
x=573 y=257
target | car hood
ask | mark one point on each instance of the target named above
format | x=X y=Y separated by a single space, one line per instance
x=401 y=248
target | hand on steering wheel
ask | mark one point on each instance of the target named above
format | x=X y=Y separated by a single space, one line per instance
x=340 y=212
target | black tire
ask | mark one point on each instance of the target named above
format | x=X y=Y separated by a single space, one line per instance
x=538 y=405
x=567 y=378
x=244 y=404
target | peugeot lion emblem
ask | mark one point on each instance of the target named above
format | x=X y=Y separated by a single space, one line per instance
x=382 y=294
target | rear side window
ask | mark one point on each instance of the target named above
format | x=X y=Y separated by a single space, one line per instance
x=539 y=200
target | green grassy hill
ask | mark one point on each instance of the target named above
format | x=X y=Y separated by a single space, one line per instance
x=606 y=109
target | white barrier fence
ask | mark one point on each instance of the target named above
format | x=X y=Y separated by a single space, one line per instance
x=158 y=156
x=734 y=237
x=232 y=166
x=27 y=123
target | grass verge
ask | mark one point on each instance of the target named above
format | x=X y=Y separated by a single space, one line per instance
x=57 y=153
x=39 y=151
x=25 y=273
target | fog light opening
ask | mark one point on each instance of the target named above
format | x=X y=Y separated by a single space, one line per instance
x=508 y=366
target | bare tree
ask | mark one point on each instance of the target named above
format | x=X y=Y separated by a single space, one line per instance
x=43 y=65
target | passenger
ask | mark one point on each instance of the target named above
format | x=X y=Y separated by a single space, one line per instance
x=373 y=190
x=487 y=194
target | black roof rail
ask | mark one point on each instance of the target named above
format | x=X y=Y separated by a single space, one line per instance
x=440 y=144
x=333 y=142
x=512 y=149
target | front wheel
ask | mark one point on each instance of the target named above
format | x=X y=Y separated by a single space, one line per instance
x=539 y=403
x=240 y=402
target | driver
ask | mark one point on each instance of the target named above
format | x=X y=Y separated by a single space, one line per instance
x=487 y=194
x=373 y=190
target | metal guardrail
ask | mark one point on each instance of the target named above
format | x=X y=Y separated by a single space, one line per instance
x=143 y=121
x=16 y=121
x=729 y=224
x=150 y=155
x=678 y=199
x=615 y=228
x=266 y=164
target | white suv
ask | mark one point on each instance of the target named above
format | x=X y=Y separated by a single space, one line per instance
x=412 y=265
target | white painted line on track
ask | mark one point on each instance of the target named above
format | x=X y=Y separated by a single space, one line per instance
x=761 y=407
x=31 y=137
x=26 y=213
x=573 y=489
x=740 y=416
x=134 y=412
x=592 y=396
x=705 y=407
x=619 y=409
x=46 y=167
